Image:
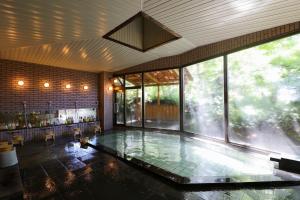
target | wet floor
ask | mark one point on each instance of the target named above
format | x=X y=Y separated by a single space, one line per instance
x=65 y=171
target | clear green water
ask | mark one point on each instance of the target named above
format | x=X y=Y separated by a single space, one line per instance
x=187 y=157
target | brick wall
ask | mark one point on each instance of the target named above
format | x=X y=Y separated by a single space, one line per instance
x=37 y=97
x=216 y=49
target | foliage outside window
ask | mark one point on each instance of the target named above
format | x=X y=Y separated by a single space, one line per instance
x=263 y=92
x=133 y=100
x=264 y=96
x=162 y=99
x=118 y=83
x=203 y=98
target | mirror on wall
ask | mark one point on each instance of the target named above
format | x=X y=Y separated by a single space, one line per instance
x=37 y=119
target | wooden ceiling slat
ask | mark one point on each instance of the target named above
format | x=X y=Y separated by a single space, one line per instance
x=81 y=24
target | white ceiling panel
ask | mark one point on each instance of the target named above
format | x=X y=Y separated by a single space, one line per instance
x=68 y=33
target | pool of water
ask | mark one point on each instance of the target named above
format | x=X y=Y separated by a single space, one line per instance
x=193 y=158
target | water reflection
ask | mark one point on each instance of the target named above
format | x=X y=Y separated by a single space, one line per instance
x=87 y=173
x=50 y=185
x=70 y=178
x=185 y=156
x=111 y=168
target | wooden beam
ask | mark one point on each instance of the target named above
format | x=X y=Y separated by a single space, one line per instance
x=152 y=78
x=175 y=70
x=163 y=84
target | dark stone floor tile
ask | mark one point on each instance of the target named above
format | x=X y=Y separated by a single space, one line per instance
x=52 y=165
x=35 y=171
x=89 y=158
x=39 y=188
x=75 y=173
x=78 y=194
x=73 y=164
x=83 y=171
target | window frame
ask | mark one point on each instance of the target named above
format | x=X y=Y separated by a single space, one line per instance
x=225 y=54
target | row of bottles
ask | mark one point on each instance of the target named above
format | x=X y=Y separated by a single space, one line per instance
x=90 y=118
x=12 y=121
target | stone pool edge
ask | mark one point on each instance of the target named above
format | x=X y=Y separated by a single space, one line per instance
x=185 y=182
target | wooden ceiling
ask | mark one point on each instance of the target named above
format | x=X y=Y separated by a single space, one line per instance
x=154 y=78
x=68 y=33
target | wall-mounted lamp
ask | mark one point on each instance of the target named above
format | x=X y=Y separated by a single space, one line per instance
x=20 y=83
x=85 y=87
x=116 y=81
x=110 y=88
x=68 y=86
x=46 y=85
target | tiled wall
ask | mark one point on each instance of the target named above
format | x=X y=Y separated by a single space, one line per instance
x=37 y=97
x=216 y=49
x=34 y=93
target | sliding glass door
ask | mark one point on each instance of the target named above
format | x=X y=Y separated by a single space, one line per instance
x=161 y=99
x=119 y=100
x=133 y=100
x=119 y=107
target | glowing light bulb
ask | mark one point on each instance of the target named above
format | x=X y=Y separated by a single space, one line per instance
x=20 y=83
x=46 y=85
x=85 y=87
x=68 y=86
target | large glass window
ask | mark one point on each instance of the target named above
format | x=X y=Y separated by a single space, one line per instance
x=162 y=99
x=263 y=92
x=264 y=96
x=203 y=98
x=119 y=107
x=119 y=100
x=133 y=100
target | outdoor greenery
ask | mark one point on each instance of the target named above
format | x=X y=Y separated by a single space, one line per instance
x=203 y=98
x=264 y=93
x=169 y=94
x=133 y=107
